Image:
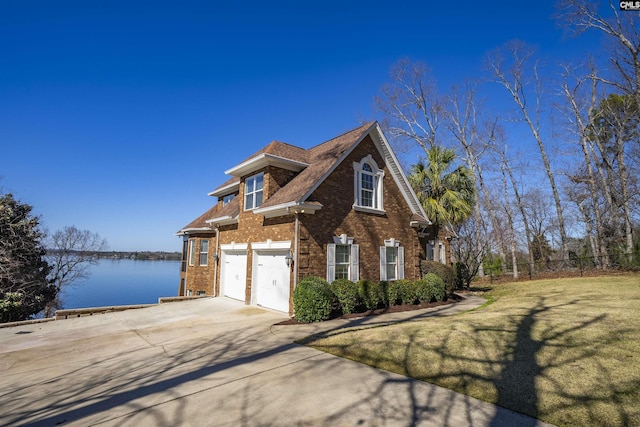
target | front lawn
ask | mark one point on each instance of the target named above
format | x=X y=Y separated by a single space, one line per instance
x=566 y=351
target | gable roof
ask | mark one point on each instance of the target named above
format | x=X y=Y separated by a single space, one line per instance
x=323 y=159
x=314 y=166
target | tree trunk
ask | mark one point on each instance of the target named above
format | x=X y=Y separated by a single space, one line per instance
x=516 y=90
x=510 y=221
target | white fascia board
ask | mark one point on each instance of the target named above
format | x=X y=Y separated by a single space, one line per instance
x=398 y=174
x=222 y=220
x=262 y=160
x=227 y=189
x=269 y=245
x=288 y=208
x=193 y=230
x=233 y=246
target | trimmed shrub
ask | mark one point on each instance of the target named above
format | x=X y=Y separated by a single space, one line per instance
x=445 y=272
x=383 y=291
x=347 y=294
x=438 y=287
x=423 y=290
x=393 y=292
x=430 y=288
x=370 y=293
x=402 y=291
x=313 y=300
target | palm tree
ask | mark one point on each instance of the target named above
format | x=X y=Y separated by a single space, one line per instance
x=447 y=194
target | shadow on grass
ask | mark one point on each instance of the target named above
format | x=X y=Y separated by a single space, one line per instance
x=532 y=350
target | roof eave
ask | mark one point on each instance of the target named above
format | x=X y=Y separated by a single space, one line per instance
x=191 y=230
x=222 y=220
x=227 y=189
x=262 y=160
x=289 y=208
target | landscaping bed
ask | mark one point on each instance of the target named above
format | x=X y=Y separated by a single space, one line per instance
x=386 y=310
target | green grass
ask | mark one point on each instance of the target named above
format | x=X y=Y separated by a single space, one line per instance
x=566 y=351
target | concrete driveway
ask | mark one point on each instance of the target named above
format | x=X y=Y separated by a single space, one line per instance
x=212 y=362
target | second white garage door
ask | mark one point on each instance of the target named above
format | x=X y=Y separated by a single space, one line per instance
x=271 y=279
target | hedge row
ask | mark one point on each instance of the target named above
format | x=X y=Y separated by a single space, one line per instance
x=314 y=299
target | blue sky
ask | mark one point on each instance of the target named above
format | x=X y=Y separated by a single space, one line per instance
x=119 y=117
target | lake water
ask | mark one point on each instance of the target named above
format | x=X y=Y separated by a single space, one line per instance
x=123 y=282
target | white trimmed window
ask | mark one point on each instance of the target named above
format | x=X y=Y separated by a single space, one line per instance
x=342 y=259
x=192 y=252
x=204 y=252
x=391 y=260
x=431 y=252
x=226 y=199
x=253 y=191
x=367 y=185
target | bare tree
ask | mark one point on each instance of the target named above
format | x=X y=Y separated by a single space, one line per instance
x=70 y=253
x=501 y=151
x=614 y=124
x=468 y=254
x=581 y=95
x=511 y=75
x=511 y=229
x=412 y=107
x=462 y=123
x=620 y=28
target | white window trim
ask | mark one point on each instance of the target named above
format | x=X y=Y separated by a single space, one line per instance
x=378 y=178
x=430 y=247
x=354 y=264
x=206 y=253
x=192 y=252
x=392 y=243
x=254 y=192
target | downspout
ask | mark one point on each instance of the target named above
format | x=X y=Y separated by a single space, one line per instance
x=217 y=259
x=185 y=254
x=295 y=253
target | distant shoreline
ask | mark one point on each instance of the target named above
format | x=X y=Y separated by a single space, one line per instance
x=137 y=255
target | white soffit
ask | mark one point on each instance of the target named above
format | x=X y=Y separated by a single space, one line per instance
x=262 y=160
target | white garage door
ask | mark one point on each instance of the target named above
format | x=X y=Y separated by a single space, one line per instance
x=233 y=274
x=271 y=283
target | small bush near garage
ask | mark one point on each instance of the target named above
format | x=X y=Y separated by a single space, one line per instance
x=446 y=273
x=402 y=291
x=347 y=294
x=371 y=293
x=313 y=300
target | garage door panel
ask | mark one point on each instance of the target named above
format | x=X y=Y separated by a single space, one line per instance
x=272 y=276
x=234 y=274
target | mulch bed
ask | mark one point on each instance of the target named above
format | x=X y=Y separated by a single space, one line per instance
x=391 y=309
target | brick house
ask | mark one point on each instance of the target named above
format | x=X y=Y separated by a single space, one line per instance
x=341 y=209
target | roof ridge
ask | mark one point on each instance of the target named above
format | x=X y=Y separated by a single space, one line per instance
x=365 y=125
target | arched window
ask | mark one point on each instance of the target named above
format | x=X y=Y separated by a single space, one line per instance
x=368 y=185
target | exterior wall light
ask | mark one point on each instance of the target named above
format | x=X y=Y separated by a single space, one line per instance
x=288 y=258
